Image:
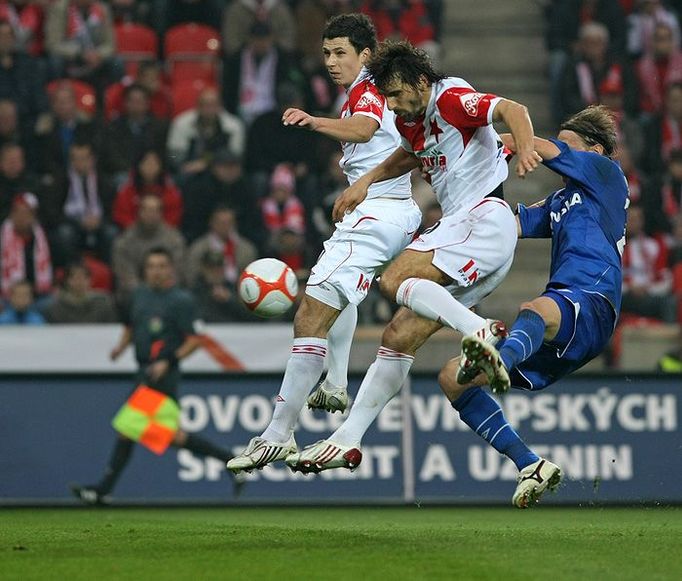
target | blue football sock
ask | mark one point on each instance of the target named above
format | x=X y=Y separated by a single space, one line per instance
x=484 y=416
x=524 y=339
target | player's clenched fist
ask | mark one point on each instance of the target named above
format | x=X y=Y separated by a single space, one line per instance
x=299 y=118
x=526 y=162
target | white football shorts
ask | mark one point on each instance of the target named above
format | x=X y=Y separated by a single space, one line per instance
x=362 y=245
x=475 y=247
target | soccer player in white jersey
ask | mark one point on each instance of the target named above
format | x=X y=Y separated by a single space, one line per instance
x=365 y=240
x=446 y=126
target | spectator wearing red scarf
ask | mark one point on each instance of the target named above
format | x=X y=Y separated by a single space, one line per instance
x=148 y=177
x=658 y=69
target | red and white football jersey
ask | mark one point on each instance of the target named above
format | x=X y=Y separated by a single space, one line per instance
x=456 y=144
x=358 y=158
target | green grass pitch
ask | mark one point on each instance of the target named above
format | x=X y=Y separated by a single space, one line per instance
x=363 y=544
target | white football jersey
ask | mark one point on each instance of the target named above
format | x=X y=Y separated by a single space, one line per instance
x=456 y=144
x=359 y=158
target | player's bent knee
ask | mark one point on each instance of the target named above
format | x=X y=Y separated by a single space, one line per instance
x=389 y=283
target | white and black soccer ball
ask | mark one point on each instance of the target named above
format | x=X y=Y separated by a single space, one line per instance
x=268 y=287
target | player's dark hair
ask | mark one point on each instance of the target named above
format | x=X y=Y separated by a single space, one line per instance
x=401 y=61
x=358 y=28
x=595 y=125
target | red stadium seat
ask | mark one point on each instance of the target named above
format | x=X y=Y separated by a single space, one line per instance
x=85 y=93
x=185 y=93
x=192 y=52
x=135 y=43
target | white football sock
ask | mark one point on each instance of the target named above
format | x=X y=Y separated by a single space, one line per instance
x=432 y=301
x=382 y=382
x=340 y=338
x=304 y=368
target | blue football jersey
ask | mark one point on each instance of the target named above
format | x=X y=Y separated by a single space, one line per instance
x=586 y=221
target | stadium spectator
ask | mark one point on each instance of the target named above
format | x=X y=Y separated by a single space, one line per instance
x=58 y=129
x=22 y=77
x=130 y=134
x=667 y=205
x=14 y=179
x=206 y=12
x=592 y=66
x=217 y=298
x=252 y=76
x=11 y=131
x=642 y=24
x=197 y=134
x=76 y=302
x=20 y=308
x=147 y=178
x=162 y=326
x=222 y=184
x=403 y=19
x=86 y=225
x=131 y=247
x=149 y=75
x=658 y=68
x=224 y=238
x=79 y=40
x=240 y=16
x=269 y=142
x=28 y=23
x=281 y=208
x=564 y=19
x=663 y=132
x=638 y=183
x=24 y=248
x=289 y=246
x=647 y=280
x=628 y=126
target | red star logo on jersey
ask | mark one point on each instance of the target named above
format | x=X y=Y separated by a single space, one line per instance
x=435 y=130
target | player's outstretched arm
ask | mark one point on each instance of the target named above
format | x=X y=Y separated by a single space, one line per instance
x=353 y=129
x=396 y=164
x=544 y=148
x=515 y=116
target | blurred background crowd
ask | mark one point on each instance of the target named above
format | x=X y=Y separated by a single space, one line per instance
x=130 y=124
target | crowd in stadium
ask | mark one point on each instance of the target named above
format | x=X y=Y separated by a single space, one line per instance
x=626 y=54
x=126 y=125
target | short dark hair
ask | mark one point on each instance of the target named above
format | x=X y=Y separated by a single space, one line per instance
x=159 y=251
x=402 y=61
x=358 y=28
x=595 y=125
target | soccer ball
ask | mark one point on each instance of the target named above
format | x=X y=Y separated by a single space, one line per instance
x=268 y=287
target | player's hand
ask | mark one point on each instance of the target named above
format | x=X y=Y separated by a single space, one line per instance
x=526 y=162
x=349 y=200
x=299 y=118
x=158 y=369
x=116 y=352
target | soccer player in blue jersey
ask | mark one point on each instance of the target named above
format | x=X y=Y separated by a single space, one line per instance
x=572 y=321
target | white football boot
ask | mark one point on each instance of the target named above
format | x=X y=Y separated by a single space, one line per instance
x=260 y=453
x=484 y=357
x=329 y=398
x=533 y=480
x=490 y=333
x=324 y=455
